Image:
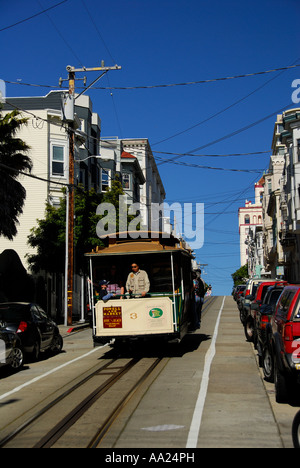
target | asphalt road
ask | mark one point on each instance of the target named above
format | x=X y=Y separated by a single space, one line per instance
x=208 y=392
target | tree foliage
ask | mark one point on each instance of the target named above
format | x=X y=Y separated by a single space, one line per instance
x=49 y=236
x=13 y=158
x=240 y=276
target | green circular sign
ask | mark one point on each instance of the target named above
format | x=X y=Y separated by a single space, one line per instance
x=156 y=313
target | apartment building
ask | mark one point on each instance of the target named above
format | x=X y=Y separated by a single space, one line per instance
x=48 y=139
x=47 y=136
x=280 y=207
x=273 y=252
x=148 y=188
x=250 y=219
x=290 y=194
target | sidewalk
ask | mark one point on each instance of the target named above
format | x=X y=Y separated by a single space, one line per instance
x=66 y=330
x=237 y=410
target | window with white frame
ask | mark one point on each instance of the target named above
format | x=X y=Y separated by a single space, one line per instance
x=58 y=159
x=126 y=180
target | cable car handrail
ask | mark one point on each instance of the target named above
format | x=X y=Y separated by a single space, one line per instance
x=139 y=296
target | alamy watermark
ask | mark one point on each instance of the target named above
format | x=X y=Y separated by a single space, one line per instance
x=2 y=91
x=296 y=93
x=145 y=221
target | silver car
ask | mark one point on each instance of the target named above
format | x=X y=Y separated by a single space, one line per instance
x=11 y=353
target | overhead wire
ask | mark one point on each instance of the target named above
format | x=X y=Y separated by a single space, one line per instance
x=229 y=135
x=97 y=30
x=61 y=36
x=227 y=107
x=33 y=16
x=172 y=160
x=112 y=58
x=188 y=83
x=255 y=153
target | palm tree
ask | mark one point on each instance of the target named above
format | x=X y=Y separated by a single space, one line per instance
x=13 y=160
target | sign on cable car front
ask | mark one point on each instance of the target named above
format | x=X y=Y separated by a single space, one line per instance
x=134 y=317
x=112 y=317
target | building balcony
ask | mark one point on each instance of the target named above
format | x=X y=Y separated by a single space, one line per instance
x=287 y=240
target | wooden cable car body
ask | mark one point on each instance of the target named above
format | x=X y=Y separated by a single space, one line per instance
x=166 y=311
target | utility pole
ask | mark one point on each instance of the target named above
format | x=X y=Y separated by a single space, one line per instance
x=71 y=206
x=69 y=116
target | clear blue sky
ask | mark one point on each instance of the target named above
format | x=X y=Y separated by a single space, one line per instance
x=165 y=42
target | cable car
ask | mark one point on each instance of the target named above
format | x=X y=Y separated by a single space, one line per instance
x=165 y=311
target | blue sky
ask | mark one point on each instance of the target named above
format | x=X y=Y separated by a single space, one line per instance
x=162 y=42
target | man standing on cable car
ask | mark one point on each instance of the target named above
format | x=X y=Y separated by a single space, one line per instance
x=138 y=283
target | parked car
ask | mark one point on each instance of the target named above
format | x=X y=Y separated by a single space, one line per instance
x=255 y=304
x=281 y=355
x=36 y=331
x=248 y=296
x=11 y=353
x=263 y=316
x=238 y=291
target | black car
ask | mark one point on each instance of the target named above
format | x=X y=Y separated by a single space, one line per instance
x=36 y=331
x=11 y=353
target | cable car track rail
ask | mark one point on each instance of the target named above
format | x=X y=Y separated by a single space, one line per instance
x=40 y=413
x=114 y=374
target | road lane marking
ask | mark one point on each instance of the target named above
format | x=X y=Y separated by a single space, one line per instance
x=193 y=436
x=164 y=427
x=36 y=379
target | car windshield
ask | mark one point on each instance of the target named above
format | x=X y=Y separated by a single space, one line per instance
x=14 y=312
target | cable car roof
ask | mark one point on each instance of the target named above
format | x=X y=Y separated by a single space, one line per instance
x=124 y=243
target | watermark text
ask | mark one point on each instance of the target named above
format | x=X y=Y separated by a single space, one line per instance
x=137 y=220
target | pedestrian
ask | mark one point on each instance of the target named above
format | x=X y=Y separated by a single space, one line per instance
x=138 y=283
x=200 y=290
x=115 y=284
x=104 y=295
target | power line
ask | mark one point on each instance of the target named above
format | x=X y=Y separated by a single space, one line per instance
x=33 y=16
x=188 y=83
x=97 y=29
x=198 y=166
x=61 y=36
x=207 y=119
x=3 y=166
x=246 y=75
x=229 y=135
x=255 y=153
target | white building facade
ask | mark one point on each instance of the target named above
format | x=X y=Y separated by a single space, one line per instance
x=250 y=219
x=151 y=189
x=48 y=140
x=289 y=235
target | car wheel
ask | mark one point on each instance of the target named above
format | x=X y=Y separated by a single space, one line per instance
x=296 y=431
x=57 y=344
x=282 y=386
x=16 y=358
x=249 y=330
x=241 y=315
x=268 y=364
